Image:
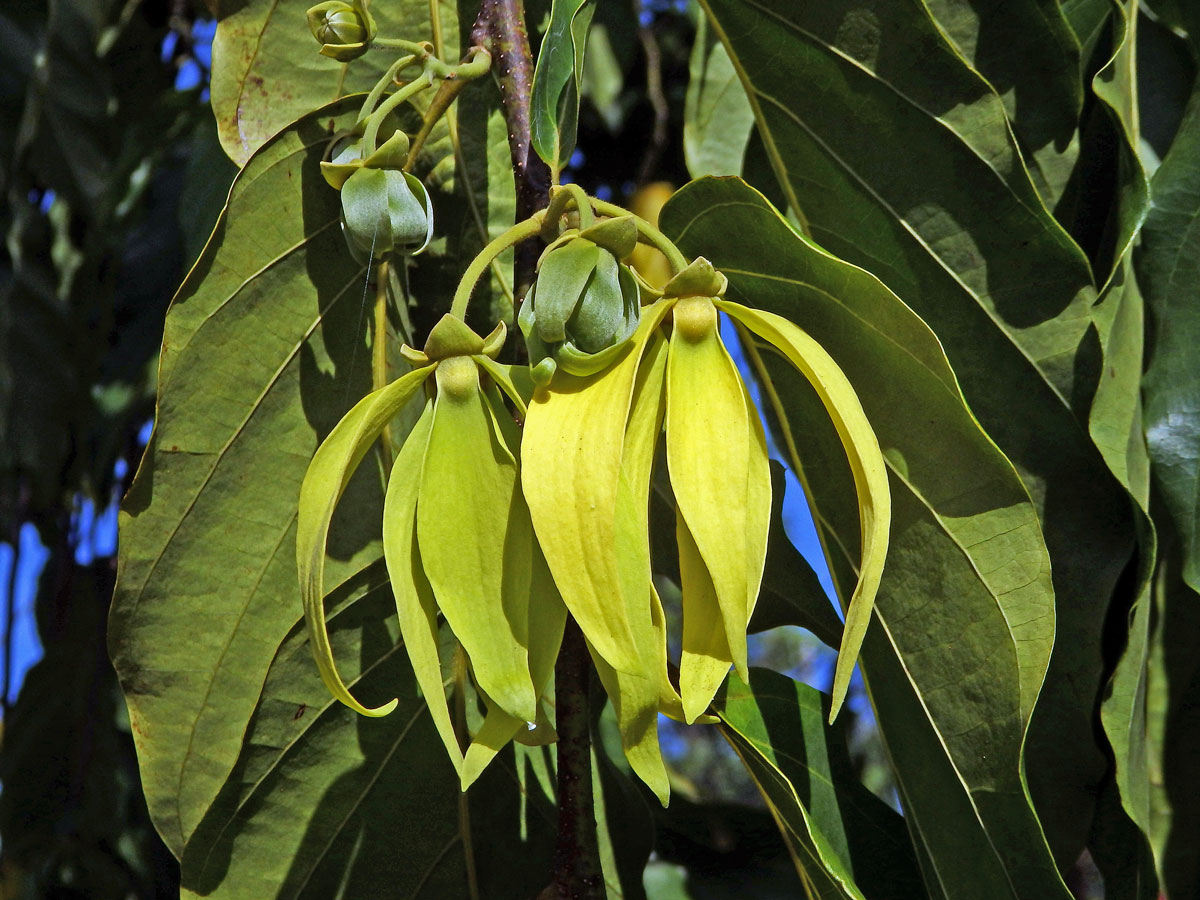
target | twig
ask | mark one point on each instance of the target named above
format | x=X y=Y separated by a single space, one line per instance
x=658 y=100
x=500 y=27
x=577 y=872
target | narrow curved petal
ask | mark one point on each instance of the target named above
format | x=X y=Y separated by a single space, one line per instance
x=570 y=471
x=635 y=700
x=468 y=545
x=719 y=469
x=706 y=657
x=497 y=730
x=326 y=479
x=866 y=463
x=415 y=605
x=547 y=615
x=633 y=519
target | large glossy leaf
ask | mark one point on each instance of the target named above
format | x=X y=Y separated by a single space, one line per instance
x=848 y=842
x=263 y=352
x=267 y=70
x=965 y=611
x=1029 y=54
x=1169 y=270
x=965 y=240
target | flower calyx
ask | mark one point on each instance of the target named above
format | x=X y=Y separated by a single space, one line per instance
x=344 y=30
x=585 y=304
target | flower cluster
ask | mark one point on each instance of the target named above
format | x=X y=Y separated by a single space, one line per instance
x=504 y=530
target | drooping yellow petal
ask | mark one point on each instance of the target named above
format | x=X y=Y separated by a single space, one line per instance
x=326 y=479
x=718 y=465
x=866 y=463
x=469 y=549
x=547 y=615
x=571 y=464
x=633 y=516
x=706 y=658
x=415 y=605
x=638 y=697
x=497 y=730
x=635 y=700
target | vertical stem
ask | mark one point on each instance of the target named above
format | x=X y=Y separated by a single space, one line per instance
x=464 y=740
x=577 y=873
x=500 y=27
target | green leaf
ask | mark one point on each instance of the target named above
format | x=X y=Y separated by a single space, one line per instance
x=1170 y=275
x=321 y=798
x=965 y=615
x=267 y=69
x=844 y=837
x=717 y=119
x=261 y=357
x=1030 y=55
x=965 y=240
x=554 y=105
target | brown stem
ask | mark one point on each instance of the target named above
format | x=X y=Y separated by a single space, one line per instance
x=577 y=873
x=658 y=100
x=500 y=27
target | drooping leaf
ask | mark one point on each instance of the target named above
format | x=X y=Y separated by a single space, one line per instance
x=717 y=119
x=319 y=802
x=848 y=841
x=954 y=700
x=1030 y=55
x=267 y=70
x=964 y=239
x=1167 y=269
x=261 y=358
x=554 y=105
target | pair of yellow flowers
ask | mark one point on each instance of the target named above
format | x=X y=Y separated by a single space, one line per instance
x=504 y=529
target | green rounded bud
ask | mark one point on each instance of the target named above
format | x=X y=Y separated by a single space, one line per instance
x=344 y=30
x=385 y=211
x=583 y=307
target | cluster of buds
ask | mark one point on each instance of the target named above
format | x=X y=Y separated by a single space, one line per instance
x=344 y=30
x=385 y=209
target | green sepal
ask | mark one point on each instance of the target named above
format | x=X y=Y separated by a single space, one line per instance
x=344 y=30
x=617 y=235
x=699 y=279
x=391 y=154
x=451 y=336
x=386 y=210
x=326 y=479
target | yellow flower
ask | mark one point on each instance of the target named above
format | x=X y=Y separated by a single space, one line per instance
x=457 y=540
x=587 y=455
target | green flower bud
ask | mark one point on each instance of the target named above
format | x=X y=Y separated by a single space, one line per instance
x=585 y=303
x=385 y=211
x=344 y=30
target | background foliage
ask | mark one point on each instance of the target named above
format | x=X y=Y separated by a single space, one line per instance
x=985 y=212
